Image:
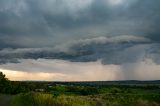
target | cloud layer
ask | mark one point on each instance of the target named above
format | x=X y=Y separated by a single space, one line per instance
x=111 y=50
x=120 y=33
x=55 y=21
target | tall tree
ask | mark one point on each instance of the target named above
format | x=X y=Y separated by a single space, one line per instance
x=3 y=77
x=3 y=83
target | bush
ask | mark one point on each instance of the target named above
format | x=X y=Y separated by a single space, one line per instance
x=82 y=90
x=115 y=90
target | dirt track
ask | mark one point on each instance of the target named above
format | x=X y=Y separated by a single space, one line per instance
x=4 y=100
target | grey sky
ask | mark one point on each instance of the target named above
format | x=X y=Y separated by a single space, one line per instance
x=117 y=32
x=53 y=21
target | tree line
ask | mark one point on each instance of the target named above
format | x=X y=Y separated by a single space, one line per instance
x=15 y=87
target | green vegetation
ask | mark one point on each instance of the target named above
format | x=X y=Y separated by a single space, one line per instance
x=41 y=99
x=129 y=93
x=15 y=87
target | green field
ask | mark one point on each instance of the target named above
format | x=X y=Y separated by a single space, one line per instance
x=87 y=95
x=119 y=99
x=82 y=94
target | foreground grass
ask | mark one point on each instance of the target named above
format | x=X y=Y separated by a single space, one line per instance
x=39 y=99
x=1 y=94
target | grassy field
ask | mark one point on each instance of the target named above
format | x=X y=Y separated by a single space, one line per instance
x=129 y=93
x=118 y=99
x=98 y=93
x=1 y=94
x=39 y=99
x=85 y=95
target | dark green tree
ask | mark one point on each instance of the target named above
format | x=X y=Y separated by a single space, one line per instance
x=3 y=77
x=3 y=83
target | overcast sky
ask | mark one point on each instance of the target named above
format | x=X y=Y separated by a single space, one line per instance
x=74 y=39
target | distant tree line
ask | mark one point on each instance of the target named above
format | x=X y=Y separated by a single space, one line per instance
x=82 y=88
x=9 y=87
x=15 y=87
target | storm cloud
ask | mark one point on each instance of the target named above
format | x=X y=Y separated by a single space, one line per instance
x=124 y=33
x=111 y=50
x=53 y=21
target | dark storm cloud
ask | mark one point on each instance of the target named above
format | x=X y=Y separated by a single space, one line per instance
x=33 y=29
x=146 y=12
x=51 y=21
x=111 y=50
